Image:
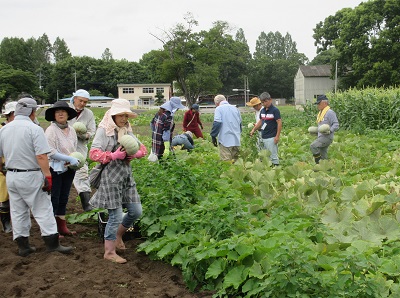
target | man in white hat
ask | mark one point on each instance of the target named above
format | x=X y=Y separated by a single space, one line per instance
x=24 y=147
x=78 y=102
x=5 y=217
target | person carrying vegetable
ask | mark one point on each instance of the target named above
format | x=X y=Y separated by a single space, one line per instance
x=117 y=187
x=162 y=127
x=62 y=141
x=24 y=146
x=85 y=127
x=270 y=123
x=327 y=125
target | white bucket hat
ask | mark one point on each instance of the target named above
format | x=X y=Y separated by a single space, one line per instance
x=121 y=106
x=10 y=107
x=81 y=93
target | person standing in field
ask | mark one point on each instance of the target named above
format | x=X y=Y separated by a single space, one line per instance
x=5 y=216
x=255 y=102
x=62 y=141
x=78 y=102
x=226 y=129
x=117 y=187
x=326 y=116
x=192 y=122
x=24 y=146
x=270 y=123
x=162 y=127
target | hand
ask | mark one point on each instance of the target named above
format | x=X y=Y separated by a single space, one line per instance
x=142 y=152
x=118 y=154
x=73 y=161
x=214 y=141
x=166 y=145
x=201 y=126
x=48 y=184
x=82 y=136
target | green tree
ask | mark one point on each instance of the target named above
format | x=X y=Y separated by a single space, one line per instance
x=107 y=55
x=16 y=53
x=159 y=98
x=60 y=50
x=367 y=42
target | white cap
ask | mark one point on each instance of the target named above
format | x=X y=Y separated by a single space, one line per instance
x=10 y=107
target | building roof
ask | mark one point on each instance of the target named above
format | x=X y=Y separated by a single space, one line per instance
x=316 y=70
x=91 y=98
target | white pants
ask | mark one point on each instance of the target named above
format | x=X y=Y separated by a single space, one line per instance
x=81 y=180
x=26 y=194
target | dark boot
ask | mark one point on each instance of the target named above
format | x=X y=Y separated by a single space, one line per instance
x=53 y=244
x=317 y=158
x=24 y=248
x=85 y=197
x=6 y=221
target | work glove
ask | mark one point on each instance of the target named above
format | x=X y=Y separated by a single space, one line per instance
x=69 y=159
x=142 y=152
x=167 y=145
x=48 y=184
x=214 y=141
x=118 y=154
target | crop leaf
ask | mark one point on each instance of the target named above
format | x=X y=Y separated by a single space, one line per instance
x=216 y=268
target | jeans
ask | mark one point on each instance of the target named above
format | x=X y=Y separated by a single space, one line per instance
x=269 y=144
x=116 y=217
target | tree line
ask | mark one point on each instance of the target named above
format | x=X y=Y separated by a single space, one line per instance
x=364 y=41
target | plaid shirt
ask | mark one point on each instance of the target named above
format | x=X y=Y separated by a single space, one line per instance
x=162 y=127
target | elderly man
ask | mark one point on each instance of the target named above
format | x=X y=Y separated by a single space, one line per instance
x=81 y=181
x=5 y=217
x=270 y=123
x=255 y=102
x=25 y=148
x=227 y=126
x=326 y=115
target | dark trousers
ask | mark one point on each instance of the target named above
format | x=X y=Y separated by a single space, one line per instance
x=60 y=190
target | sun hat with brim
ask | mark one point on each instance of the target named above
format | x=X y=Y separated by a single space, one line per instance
x=59 y=105
x=253 y=102
x=10 y=107
x=121 y=106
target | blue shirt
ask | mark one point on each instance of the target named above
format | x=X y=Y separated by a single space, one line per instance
x=269 y=125
x=231 y=124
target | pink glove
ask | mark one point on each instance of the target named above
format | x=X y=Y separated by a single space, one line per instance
x=142 y=152
x=118 y=154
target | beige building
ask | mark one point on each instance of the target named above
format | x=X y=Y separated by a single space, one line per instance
x=143 y=95
x=311 y=81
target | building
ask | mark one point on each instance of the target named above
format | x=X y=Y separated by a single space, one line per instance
x=95 y=101
x=144 y=95
x=311 y=81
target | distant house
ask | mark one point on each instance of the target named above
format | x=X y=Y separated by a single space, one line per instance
x=144 y=95
x=311 y=81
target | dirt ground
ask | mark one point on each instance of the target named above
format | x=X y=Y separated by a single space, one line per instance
x=85 y=273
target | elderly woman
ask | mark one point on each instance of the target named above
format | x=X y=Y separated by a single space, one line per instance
x=192 y=122
x=162 y=126
x=117 y=187
x=63 y=141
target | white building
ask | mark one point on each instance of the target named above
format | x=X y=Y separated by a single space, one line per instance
x=143 y=95
x=311 y=81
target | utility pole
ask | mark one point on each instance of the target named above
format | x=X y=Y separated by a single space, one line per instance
x=75 y=80
x=336 y=77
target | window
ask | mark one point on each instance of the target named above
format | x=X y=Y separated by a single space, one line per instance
x=128 y=90
x=148 y=90
x=160 y=89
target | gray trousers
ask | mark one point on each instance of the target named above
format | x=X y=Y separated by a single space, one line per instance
x=26 y=194
x=81 y=180
x=320 y=146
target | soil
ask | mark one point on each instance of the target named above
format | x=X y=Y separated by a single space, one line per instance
x=85 y=273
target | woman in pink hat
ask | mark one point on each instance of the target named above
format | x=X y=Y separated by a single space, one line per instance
x=117 y=189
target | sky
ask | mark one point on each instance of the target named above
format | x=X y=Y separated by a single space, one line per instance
x=127 y=27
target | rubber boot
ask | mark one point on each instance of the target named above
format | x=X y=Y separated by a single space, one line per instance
x=317 y=158
x=119 y=243
x=62 y=227
x=6 y=222
x=85 y=198
x=53 y=244
x=110 y=254
x=24 y=248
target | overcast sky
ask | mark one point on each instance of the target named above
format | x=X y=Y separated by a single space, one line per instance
x=124 y=26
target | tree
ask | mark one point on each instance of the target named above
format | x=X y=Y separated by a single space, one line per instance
x=366 y=39
x=16 y=53
x=60 y=50
x=107 y=55
x=159 y=98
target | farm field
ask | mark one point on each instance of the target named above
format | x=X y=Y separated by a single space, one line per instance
x=248 y=230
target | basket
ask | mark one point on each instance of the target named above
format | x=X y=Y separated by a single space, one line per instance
x=132 y=232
